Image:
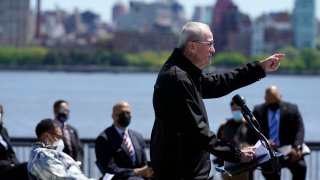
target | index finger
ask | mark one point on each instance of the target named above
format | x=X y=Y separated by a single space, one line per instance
x=279 y=55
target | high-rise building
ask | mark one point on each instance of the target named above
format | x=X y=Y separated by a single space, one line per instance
x=14 y=25
x=231 y=28
x=144 y=17
x=202 y=14
x=223 y=22
x=271 y=32
x=118 y=11
x=304 y=24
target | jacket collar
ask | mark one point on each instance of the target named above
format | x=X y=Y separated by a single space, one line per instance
x=177 y=58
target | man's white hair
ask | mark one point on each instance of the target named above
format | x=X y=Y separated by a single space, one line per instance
x=192 y=31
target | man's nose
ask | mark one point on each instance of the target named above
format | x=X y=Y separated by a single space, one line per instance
x=212 y=50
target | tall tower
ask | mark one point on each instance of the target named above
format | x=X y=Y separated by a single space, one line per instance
x=14 y=22
x=304 y=24
x=38 y=12
x=202 y=14
x=118 y=11
x=231 y=28
x=223 y=22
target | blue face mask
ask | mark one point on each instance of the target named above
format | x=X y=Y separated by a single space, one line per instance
x=237 y=115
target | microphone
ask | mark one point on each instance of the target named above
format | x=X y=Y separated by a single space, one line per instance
x=274 y=163
x=241 y=102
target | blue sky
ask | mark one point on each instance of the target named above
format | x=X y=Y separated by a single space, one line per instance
x=103 y=7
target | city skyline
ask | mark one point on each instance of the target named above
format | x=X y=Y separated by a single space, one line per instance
x=104 y=7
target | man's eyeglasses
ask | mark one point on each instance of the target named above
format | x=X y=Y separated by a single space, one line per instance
x=208 y=43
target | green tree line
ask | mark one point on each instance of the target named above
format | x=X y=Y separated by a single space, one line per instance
x=39 y=56
x=306 y=59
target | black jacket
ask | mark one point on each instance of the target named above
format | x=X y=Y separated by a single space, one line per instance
x=291 y=128
x=235 y=132
x=76 y=145
x=7 y=157
x=113 y=156
x=10 y=168
x=181 y=139
x=77 y=149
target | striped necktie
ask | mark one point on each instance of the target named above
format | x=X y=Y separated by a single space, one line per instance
x=274 y=128
x=128 y=144
x=67 y=136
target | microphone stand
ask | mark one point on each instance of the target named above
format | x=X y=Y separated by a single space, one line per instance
x=273 y=163
x=274 y=160
x=249 y=119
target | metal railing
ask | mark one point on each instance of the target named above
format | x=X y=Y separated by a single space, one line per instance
x=22 y=147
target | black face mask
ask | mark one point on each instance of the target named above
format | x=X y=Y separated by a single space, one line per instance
x=63 y=117
x=273 y=106
x=124 y=119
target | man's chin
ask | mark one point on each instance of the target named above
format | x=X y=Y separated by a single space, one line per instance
x=209 y=62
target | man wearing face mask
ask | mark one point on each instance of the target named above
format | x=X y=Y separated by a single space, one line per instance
x=121 y=151
x=235 y=131
x=47 y=161
x=282 y=124
x=73 y=146
x=10 y=167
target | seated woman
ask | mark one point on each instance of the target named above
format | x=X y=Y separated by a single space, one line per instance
x=47 y=161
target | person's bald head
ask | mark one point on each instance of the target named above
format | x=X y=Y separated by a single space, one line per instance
x=272 y=95
x=119 y=109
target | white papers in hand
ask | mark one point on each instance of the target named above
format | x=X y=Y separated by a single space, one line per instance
x=107 y=176
x=285 y=150
x=262 y=155
x=261 y=152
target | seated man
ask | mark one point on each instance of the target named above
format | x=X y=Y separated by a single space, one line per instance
x=47 y=161
x=282 y=124
x=121 y=151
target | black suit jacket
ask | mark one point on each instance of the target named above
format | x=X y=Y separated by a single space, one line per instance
x=291 y=129
x=112 y=155
x=7 y=157
x=77 y=149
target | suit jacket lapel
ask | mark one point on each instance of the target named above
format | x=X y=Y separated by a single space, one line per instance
x=283 y=109
x=125 y=149
x=118 y=139
x=72 y=137
x=5 y=137
x=265 y=125
x=123 y=146
x=136 y=146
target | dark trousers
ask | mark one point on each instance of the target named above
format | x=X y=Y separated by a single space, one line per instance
x=18 y=171
x=298 y=170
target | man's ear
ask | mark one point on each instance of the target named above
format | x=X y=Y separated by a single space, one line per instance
x=191 y=46
x=114 y=116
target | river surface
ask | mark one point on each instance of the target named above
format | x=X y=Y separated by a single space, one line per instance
x=28 y=97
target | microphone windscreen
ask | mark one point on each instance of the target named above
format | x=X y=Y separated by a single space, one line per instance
x=238 y=100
